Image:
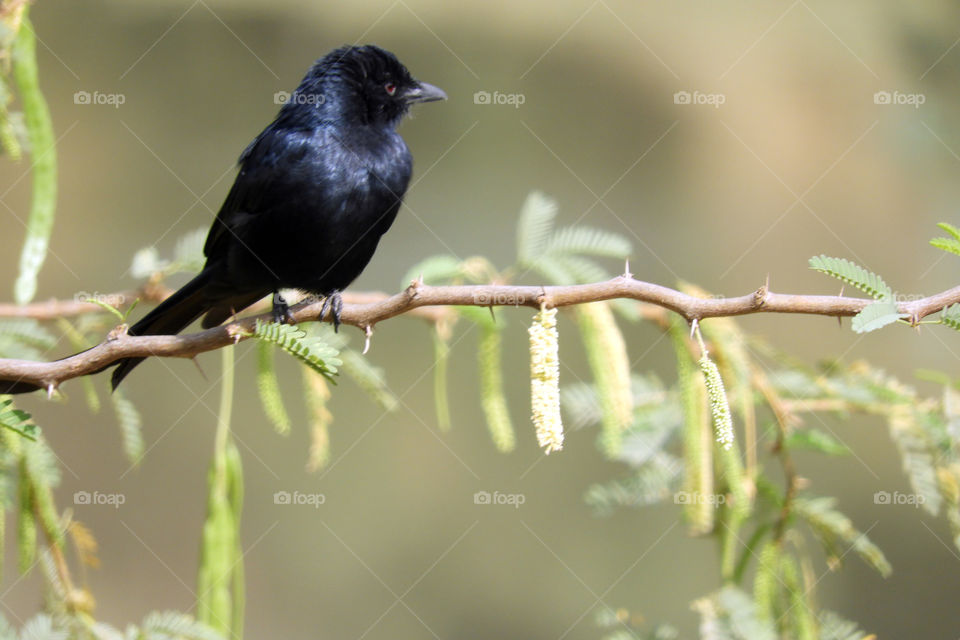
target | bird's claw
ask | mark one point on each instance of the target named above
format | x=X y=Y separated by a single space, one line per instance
x=334 y=303
x=281 y=310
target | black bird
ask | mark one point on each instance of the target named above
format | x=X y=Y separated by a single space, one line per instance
x=314 y=193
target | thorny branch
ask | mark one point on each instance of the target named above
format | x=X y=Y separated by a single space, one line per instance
x=365 y=310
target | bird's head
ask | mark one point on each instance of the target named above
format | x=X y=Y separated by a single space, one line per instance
x=364 y=82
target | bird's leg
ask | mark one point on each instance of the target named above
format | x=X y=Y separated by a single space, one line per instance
x=281 y=310
x=334 y=303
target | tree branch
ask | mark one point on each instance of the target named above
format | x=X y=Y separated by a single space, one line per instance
x=365 y=310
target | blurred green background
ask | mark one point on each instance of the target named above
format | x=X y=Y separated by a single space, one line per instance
x=798 y=160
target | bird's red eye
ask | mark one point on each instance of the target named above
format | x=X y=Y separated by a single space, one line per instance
x=390 y=88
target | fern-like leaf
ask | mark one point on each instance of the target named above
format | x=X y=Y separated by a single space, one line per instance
x=949 y=228
x=741 y=614
x=269 y=389
x=536 y=223
x=438 y=269
x=655 y=482
x=918 y=454
x=147 y=262
x=41 y=627
x=853 y=274
x=588 y=241
x=28 y=331
x=876 y=315
x=188 y=254
x=369 y=378
x=175 y=625
x=130 y=425
x=838 y=534
x=950 y=316
x=312 y=351
x=834 y=627
x=581 y=270
x=813 y=439
x=17 y=420
x=492 y=398
x=950 y=245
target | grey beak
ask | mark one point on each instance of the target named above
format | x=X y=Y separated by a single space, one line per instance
x=424 y=92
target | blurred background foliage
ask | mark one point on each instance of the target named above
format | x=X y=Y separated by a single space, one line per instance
x=798 y=161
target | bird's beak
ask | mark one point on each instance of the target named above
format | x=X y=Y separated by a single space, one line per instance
x=424 y=92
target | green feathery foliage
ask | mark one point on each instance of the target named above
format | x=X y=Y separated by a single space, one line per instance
x=837 y=533
x=876 y=315
x=16 y=420
x=130 y=425
x=834 y=627
x=187 y=257
x=159 y=625
x=563 y=256
x=535 y=226
x=698 y=492
x=610 y=366
x=950 y=316
x=853 y=274
x=441 y=363
x=371 y=379
x=621 y=625
x=312 y=351
x=220 y=589
x=730 y=614
x=951 y=244
x=317 y=395
x=439 y=269
x=813 y=439
x=492 y=398
x=269 y=389
x=43 y=157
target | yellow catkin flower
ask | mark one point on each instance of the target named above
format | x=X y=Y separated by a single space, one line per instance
x=719 y=407
x=545 y=380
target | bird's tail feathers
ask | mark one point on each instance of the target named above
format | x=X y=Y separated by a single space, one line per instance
x=168 y=318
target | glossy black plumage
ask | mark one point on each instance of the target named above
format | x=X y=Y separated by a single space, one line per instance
x=315 y=192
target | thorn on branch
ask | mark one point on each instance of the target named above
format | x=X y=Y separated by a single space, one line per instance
x=367 y=333
x=542 y=297
x=196 y=362
x=117 y=332
x=412 y=289
x=760 y=295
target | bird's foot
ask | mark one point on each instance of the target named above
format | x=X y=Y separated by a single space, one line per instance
x=281 y=310
x=334 y=303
